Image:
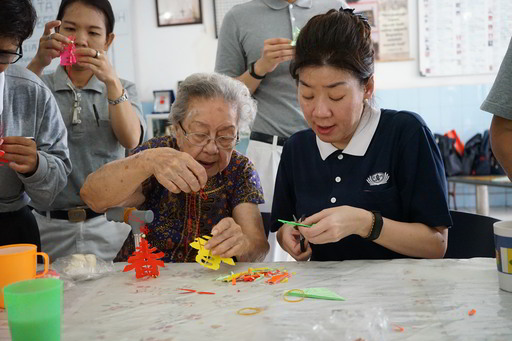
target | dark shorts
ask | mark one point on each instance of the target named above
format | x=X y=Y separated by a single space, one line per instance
x=19 y=227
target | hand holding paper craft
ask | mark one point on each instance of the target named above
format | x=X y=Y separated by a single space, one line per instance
x=228 y=239
x=290 y=237
x=177 y=171
x=205 y=257
x=275 y=51
x=97 y=61
x=20 y=152
x=51 y=45
x=335 y=223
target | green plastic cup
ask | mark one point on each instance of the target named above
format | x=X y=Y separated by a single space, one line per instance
x=34 y=309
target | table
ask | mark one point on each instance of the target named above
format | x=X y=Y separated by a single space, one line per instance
x=149 y=122
x=430 y=299
x=481 y=183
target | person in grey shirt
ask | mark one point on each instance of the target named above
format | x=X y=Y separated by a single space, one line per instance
x=34 y=157
x=103 y=117
x=255 y=47
x=499 y=103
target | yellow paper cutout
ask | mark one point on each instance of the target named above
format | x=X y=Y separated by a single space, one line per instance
x=205 y=257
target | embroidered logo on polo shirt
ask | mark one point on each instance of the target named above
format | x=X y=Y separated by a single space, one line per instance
x=378 y=179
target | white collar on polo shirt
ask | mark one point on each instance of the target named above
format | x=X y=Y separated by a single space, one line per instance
x=280 y=4
x=362 y=136
x=2 y=82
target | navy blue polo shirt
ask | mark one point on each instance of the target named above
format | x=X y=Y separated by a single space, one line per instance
x=400 y=174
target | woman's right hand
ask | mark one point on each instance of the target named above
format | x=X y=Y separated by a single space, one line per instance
x=177 y=171
x=50 y=47
x=274 y=52
x=289 y=239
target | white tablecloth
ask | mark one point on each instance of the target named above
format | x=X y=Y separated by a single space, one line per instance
x=429 y=299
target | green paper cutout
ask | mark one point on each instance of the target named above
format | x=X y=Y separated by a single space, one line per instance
x=318 y=293
x=293 y=223
x=295 y=35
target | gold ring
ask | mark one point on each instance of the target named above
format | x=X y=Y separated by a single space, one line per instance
x=251 y=311
x=301 y=292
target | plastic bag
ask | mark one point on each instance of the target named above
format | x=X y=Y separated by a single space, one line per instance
x=371 y=324
x=79 y=267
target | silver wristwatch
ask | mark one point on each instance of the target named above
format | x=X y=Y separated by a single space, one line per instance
x=124 y=97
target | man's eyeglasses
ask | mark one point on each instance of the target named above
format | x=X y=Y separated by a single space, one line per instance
x=7 y=57
x=201 y=140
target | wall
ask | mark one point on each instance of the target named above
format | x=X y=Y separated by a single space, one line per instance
x=386 y=73
x=165 y=55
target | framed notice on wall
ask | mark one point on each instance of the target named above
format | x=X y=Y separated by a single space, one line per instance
x=178 y=12
x=389 y=20
x=463 y=37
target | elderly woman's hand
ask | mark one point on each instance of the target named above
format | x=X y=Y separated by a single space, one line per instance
x=177 y=171
x=228 y=239
x=289 y=239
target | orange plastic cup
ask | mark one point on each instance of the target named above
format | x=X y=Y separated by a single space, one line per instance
x=18 y=262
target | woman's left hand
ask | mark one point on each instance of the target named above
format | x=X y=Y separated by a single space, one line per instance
x=228 y=239
x=333 y=224
x=96 y=61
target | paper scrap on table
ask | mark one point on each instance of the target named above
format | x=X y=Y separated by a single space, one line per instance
x=318 y=293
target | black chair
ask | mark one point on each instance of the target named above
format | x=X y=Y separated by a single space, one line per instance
x=266 y=222
x=470 y=236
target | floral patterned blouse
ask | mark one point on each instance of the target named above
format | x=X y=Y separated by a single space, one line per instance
x=180 y=218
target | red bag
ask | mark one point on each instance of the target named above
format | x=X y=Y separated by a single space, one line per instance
x=457 y=144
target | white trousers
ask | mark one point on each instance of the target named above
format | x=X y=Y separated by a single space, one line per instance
x=266 y=159
x=98 y=236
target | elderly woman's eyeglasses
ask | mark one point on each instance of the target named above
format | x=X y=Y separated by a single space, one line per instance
x=7 y=57
x=201 y=140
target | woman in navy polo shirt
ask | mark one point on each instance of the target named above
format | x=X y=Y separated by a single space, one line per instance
x=371 y=180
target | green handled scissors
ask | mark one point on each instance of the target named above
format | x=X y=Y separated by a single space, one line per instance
x=295 y=223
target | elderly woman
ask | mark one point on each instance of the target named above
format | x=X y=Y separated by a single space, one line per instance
x=195 y=182
x=370 y=180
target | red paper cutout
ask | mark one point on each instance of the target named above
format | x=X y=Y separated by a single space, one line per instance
x=398 y=328
x=67 y=56
x=191 y=291
x=145 y=261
